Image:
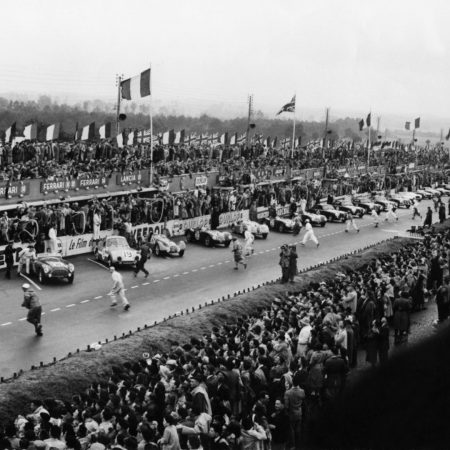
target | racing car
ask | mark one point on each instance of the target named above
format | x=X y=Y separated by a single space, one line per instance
x=368 y=206
x=257 y=229
x=161 y=244
x=329 y=212
x=400 y=200
x=210 y=238
x=384 y=203
x=315 y=219
x=115 y=251
x=52 y=267
x=279 y=223
x=350 y=208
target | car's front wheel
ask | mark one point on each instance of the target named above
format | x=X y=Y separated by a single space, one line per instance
x=157 y=250
x=181 y=253
x=208 y=241
x=71 y=278
x=189 y=236
x=281 y=227
x=41 y=277
x=264 y=235
x=322 y=224
x=343 y=219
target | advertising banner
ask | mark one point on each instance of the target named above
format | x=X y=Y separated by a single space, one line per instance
x=69 y=185
x=15 y=189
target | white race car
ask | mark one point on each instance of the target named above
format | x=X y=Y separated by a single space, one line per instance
x=162 y=245
x=257 y=229
x=115 y=251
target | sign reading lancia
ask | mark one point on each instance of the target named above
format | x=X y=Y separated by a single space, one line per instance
x=135 y=177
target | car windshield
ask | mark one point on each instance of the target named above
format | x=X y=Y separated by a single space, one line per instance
x=117 y=243
x=326 y=207
x=52 y=259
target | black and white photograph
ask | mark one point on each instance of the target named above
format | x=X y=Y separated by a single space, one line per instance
x=224 y=225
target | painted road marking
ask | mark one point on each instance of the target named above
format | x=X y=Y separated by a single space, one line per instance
x=5 y=324
x=166 y=278
x=155 y=281
x=211 y=265
x=185 y=273
x=145 y=284
x=194 y=270
x=202 y=268
x=96 y=298
x=31 y=281
x=22 y=319
x=55 y=309
x=219 y=263
x=71 y=305
x=98 y=264
x=85 y=301
x=226 y=262
x=134 y=287
x=176 y=275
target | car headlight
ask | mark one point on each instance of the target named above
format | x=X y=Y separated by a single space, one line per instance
x=46 y=269
x=182 y=245
x=71 y=267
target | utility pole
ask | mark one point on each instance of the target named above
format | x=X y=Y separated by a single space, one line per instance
x=250 y=114
x=325 y=133
x=118 y=81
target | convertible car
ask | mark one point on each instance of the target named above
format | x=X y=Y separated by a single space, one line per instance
x=257 y=229
x=351 y=208
x=315 y=219
x=115 y=251
x=279 y=223
x=329 y=212
x=162 y=245
x=52 y=267
x=210 y=238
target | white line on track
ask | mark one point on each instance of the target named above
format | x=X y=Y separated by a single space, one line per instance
x=176 y=275
x=96 y=298
x=155 y=281
x=5 y=324
x=98 y=264
x=202 y=268
x=31 y=281
x=22 y=319
x=219 y=263
x=211 y=265
x=134 y=287
x=227 y=261
x=184 y=273
x=166 y=278
x=71 y=305
x=85 y=301
x=145 y=284
x=194 y=270
x=55 y=309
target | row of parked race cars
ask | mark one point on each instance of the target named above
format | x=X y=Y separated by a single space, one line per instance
x=116 y=251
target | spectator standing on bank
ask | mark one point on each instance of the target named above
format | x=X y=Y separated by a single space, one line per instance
x=118 y=289
x=428 y=218
x=402 y=309
x=31 y=302
x=293 y=256
x=284 y=263
x=441 y=212
x=383 y=343
x=293 y=403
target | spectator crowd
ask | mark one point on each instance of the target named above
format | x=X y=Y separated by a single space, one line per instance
x=258 y=383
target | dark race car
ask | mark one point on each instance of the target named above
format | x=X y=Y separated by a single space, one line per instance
x=357 y=211
x=210 y=238
x=329 y=212
x=279 y=223
x=52 y=267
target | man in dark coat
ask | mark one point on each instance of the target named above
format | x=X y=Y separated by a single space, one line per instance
x=31 y=302
x=9 y=259
x=428 y=218
x=383 y=343
x=402 y=309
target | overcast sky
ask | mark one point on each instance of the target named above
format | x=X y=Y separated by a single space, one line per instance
x=388 y=56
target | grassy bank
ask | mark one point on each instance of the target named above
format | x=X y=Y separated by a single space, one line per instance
x=75 y=373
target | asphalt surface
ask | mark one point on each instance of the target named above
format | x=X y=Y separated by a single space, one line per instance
x=80 y=314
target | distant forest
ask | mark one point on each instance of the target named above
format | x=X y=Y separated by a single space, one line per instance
x=45 y=112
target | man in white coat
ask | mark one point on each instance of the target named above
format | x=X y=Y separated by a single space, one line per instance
x=375 y=217
x=118 y=289
x=249 y=239
x=53 y=241
x=309 y=235
x=390 y=214
x=97 y=222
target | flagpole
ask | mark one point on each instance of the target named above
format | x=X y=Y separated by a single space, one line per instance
x=293 y=131
x=368 y=149
x=151 y=129
x=325 y=133
x=119 y=79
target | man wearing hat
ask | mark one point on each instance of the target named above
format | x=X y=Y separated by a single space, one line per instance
x=31 y=302
x=118 y=289
x=9 y=259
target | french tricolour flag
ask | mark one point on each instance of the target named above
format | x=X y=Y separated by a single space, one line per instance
x=136 y=87
x=52 y=133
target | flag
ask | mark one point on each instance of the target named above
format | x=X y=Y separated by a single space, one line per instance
x=105 y=131
x=30 y=131
x=448 y=135
x=224 y=138
x=10 y=133
x=136 y=87
x=233 y=139
x=88 y=132
x=298 y=141
x=267 y=141
x=288 y=107
x=407 y=125
x=275 y=142
x=215 y=138
x=242 y=138
x=119 y=140
x=179 y=137
x=165 y=138
x=130 y=138
x=368 y=119
x=52 y=133
x=417 y=123
x=361 y=124
x=77 y=133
